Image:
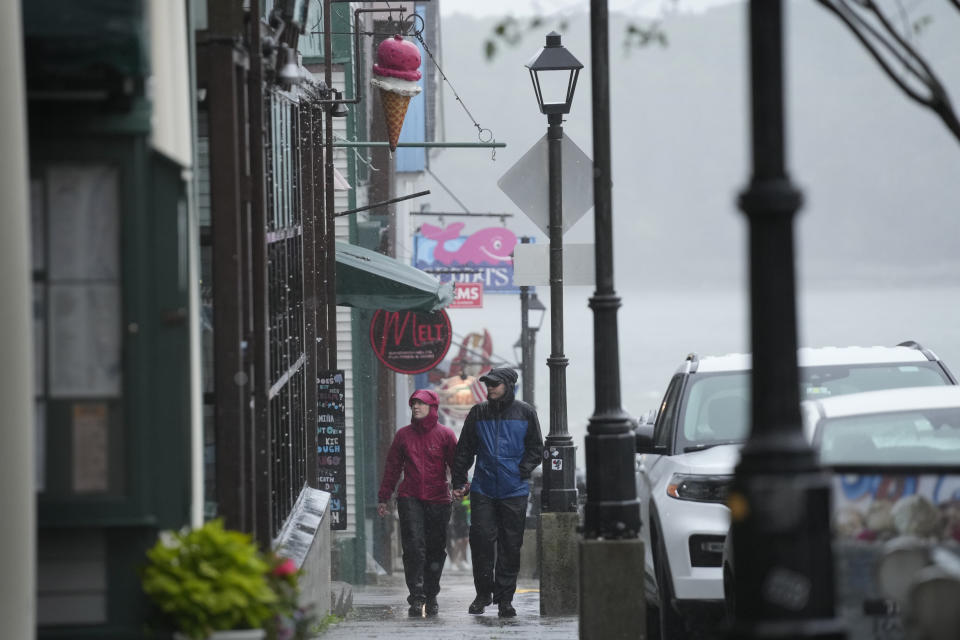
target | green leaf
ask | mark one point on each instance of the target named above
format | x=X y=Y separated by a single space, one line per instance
x=211 y=578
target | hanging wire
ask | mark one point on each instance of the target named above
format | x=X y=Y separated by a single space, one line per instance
x=493 y=359
x=414 y=25
x=483 y=134
x=356 y=152
x=448 y=190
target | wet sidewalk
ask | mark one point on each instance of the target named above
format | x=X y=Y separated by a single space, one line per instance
x=380 y=611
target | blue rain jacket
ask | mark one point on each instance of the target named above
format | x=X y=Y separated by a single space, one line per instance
x=504 y=438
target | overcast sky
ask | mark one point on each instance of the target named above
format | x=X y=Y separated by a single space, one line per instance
x=529 y=7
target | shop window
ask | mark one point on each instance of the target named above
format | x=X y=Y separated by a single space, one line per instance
x=77 y=328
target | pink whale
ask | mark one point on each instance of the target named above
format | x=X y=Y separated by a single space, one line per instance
x=491 y=245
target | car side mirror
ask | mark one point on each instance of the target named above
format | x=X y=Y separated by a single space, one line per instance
x=644 y=437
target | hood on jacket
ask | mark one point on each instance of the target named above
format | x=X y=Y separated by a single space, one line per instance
x=505 y=376
x=425 y=395
x=501 y=375
x=430 y=398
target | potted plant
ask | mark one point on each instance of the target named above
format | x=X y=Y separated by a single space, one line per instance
x=290 y=621
x=211 y=582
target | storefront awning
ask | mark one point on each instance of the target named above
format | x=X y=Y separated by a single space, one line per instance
x=370 y=280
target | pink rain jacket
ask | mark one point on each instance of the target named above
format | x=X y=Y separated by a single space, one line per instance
x=423 y=451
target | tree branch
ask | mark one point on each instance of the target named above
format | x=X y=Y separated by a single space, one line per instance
x=890 y=41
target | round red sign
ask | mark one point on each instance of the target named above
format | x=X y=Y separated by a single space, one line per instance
x=410 y=341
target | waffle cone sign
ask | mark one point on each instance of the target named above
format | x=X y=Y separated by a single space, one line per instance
x=394 y=111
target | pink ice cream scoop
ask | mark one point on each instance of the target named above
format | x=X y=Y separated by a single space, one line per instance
x=396 y=74
x=398 y=58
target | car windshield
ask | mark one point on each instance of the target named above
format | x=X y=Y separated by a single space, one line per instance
x=716 y=409
x=911 y=438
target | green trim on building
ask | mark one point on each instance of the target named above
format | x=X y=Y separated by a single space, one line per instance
x=341 y=25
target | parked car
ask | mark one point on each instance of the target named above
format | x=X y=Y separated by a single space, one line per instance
x=686 y=458
x=895 y=507
x=895 y=500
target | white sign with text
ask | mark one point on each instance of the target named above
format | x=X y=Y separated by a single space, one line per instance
x=531 y=265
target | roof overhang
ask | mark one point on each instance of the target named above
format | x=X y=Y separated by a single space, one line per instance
x=370 y=280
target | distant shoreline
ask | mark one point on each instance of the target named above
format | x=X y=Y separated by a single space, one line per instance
x=824 y=278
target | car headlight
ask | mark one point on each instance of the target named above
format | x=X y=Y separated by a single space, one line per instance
x=684 y=486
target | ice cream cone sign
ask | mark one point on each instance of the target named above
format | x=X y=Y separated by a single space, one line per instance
x=395 y=74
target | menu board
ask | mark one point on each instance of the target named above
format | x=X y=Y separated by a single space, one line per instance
x=332 y=444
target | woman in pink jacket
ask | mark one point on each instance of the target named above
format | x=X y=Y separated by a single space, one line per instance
x=423 y=451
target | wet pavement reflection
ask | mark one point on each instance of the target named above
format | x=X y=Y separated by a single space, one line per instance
x=380 y=611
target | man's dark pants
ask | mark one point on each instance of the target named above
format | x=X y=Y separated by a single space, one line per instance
x=423 y=536
x=496 y=535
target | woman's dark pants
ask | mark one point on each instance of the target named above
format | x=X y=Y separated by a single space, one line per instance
x=496 y=535
x=423 y=536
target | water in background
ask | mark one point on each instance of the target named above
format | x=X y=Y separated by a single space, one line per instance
x=657 y=329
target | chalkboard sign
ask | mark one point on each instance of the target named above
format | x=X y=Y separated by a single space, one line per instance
x=332 y=444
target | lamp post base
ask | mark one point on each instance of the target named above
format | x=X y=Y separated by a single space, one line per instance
x=557 y=541
x=782 y=561
x=819 y=629
x=611 y=596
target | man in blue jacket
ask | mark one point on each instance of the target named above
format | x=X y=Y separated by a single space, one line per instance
x=503 y=436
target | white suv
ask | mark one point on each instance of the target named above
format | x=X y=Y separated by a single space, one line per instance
x=686 y=459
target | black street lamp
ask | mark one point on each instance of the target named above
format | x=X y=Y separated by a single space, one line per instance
x=780 y=501
x=612 y=599
x=612 y=511
x=551 y=65
x=527 y=343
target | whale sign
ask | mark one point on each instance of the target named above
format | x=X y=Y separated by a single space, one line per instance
x=410 y=341
x=484 y=256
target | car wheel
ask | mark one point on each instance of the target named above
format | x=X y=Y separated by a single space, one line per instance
x=672 y=626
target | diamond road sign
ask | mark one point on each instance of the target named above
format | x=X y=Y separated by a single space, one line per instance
x=527 y=183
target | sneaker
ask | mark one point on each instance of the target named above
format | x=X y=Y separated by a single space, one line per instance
x=506 y=610
x=416 y=609
x=432 y=607
x=479 y=604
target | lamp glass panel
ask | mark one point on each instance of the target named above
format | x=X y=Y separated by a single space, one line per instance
x=553 y=86
x=536 y=313
x=538 y=316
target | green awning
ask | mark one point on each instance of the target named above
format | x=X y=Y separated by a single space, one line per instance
x=370 y=280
